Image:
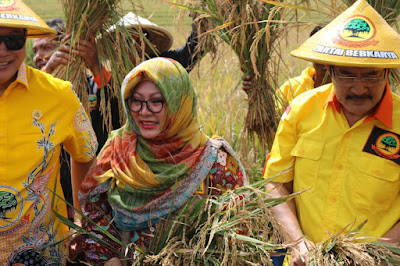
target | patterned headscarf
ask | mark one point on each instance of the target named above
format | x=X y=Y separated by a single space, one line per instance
x=139 y=172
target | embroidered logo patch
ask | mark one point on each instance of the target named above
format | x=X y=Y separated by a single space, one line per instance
x=384 y=144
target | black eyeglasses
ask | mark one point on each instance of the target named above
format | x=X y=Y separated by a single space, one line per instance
x=153 y=105
x=13 y=42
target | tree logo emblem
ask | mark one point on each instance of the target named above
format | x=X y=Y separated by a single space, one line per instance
x=387 y=145
x=357 y=28
x=11 y=206
x=357 y=31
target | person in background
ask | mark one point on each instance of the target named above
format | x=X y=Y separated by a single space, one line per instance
x=161 y=40
x=159 y=157
x=38 y=114
x=310 y=78
x=340 y=143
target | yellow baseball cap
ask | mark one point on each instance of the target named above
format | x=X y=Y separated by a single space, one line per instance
x=15 y=14
x=359 y=37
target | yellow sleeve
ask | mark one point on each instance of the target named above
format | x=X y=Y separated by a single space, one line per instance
x=81 y=142
x=280 y=162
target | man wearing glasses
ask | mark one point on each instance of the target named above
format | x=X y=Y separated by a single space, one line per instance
x=340 y=143
x=38 y=113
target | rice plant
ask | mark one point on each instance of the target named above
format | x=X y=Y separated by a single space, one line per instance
x=251 y=28
x=236 y=228
x=97 y=19
x=350 y=249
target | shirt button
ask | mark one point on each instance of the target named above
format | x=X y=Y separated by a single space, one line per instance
x=339 y=166
x=347 y=135
x=377 y=172
x=302 y=152
x=333 y=199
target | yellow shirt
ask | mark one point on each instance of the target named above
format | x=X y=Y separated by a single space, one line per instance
x=37 y=114
x=294 y=87
x=352 y=173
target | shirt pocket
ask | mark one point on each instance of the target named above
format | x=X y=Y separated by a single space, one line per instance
x=376 y=185
x=308 y=154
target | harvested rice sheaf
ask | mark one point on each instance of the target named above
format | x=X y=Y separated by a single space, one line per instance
x=251 y=28
x=350 y=249
x=237 y=228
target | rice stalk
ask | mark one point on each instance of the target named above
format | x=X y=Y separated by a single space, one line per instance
x=116 y=48
x=236 y=228
x=251 y=28
x=349 y=249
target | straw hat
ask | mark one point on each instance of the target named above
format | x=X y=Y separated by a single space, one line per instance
x=15 y=14
x=359 y=37
x=158 y=36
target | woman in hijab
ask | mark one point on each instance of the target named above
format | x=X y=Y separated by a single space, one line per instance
x=152 y=165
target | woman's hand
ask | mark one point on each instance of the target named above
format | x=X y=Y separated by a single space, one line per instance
x=299 y=253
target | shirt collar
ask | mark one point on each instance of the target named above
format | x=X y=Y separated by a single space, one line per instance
x=383 y=112
x=22 y=75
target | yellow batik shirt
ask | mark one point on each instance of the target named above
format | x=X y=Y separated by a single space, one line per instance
x=38 y=113
x=294 y=87
x=352 y=173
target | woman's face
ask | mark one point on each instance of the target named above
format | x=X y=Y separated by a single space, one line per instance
x=148 y=109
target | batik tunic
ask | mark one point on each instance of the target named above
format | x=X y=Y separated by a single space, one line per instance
x=37 y=114
x=136 y=182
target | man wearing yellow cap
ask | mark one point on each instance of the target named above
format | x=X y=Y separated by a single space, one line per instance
x=340 y=143
x=38 y=113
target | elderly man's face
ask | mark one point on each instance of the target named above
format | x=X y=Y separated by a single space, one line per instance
x=358 y=89
x=10 y=60
x=42 y=48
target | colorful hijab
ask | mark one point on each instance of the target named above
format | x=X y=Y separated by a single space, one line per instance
x=147 y=179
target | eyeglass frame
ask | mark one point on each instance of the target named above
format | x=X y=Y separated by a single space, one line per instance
x=129 y=100
x=355 y=79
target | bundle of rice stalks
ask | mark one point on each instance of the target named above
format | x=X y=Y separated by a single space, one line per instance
x=250 y=28
x=237 y=228
x=88 y=18
x=348 y=249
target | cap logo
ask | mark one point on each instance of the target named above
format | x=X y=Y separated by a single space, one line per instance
x=358 y=31
x=8 y=5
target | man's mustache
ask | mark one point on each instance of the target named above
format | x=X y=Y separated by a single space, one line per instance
x=359 y=97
